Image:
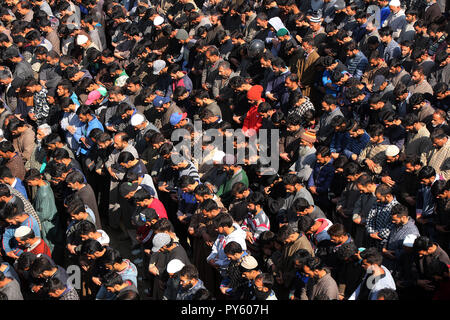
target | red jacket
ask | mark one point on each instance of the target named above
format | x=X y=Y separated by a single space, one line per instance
x=41 y=248
x=253 y=120
x=159 y=208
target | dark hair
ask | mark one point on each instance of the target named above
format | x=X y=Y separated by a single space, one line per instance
x=189 y=271
x=91 y=246
x=439 y=187
x=337 y=230
x=314 y=263
x=383 y=189
x=85 y=227
x=223 y=220
x=141 y=195
x=208 y=205
x=438 y=133
x=163 y=225
x=324 y=151
x=25 y=260
x=422 y=243
x=12 y=210
x=291 y=179
x=300 y=205
x=372 y=255
x=256 y=198
x=39 y=265
x=267 y=280
x=111 y=279
x=305 y=223
x=426 y=172
x=232 y=248
x=125 y=157
x=5 y=172
x=301 y=255
x=54 y=284
x=74 y=177
x=186 y=180
x=284 y=232
x=375 y=130
x=202 y=190
x=399 y=210
x=387 y=294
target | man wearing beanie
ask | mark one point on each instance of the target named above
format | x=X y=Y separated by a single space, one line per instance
x=253 y=119
x=306 y=155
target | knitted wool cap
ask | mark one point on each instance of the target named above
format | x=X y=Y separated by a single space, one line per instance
x=255 y=93
x=315 y=19
x=308 y=136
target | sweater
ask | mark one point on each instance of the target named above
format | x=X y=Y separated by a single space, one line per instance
x=257 y=224
x=217 y=253
x=9 y=242
x=324 y=288
x=380 y=219
x=322 y=177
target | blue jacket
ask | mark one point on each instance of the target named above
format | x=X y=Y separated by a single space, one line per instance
x=357 y=65
x=9 y=242
x=276 y=86
x=384 y=13
x=85 y=130
x=322 y=177
x=337 y=142
x=425 y=201
x=21 y=188
x=130 y=272
x=355 y=146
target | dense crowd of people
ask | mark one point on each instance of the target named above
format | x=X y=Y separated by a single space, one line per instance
x=134 y=134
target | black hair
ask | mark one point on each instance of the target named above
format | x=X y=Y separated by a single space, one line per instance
x=284 y=232
x=337 y=230
x=223 y=220
x=387 y=294
x=305 y=223
x=232 y=248
x=91 y=246
x=314 y=263
x=399 y=210
x=300 y=205
x=372 y=255
x=74 y=177
x=422 y=243
x=426 y=172
x=189 y=271
x=39 y=265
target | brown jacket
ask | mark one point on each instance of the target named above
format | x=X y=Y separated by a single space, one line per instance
x=306 y=71
x=369 y=75
x=286 y=265
x=24 y=144
x=16 y=166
